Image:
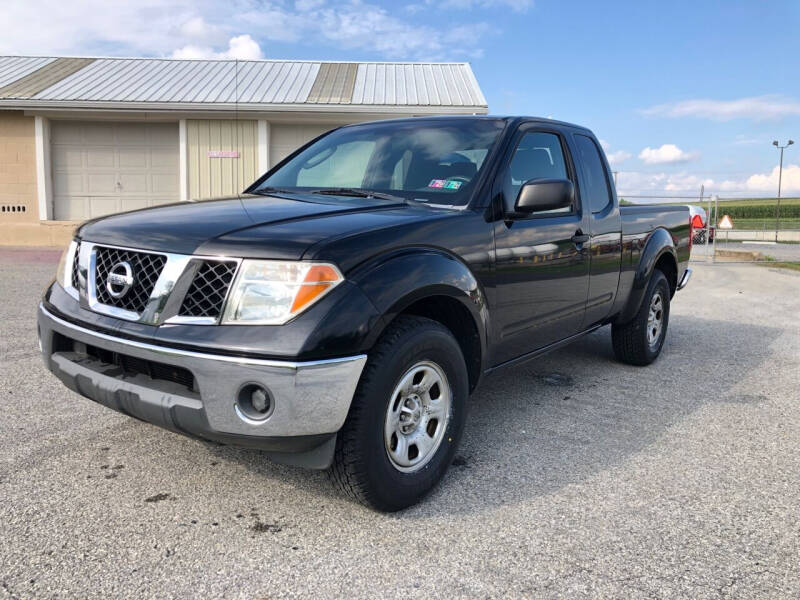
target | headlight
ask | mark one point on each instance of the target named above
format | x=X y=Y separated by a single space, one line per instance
x=270 y=292
x=64 y=273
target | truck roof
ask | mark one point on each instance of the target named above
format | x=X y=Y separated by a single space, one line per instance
x=507 y=118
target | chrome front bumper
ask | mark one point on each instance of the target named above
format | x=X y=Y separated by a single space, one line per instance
x=311 y=399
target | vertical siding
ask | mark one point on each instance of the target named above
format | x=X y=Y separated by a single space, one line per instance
x=214 y=177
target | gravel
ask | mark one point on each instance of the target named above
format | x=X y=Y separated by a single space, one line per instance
x=577 y=477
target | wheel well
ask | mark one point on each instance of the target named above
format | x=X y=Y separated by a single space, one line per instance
x=456 y=317
x=666 y=264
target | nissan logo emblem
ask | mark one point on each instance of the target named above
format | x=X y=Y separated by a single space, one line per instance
x=120 y=279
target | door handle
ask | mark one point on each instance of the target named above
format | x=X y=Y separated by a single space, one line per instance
x=580 y=237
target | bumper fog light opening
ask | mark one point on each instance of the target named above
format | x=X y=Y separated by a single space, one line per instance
x=254 y=403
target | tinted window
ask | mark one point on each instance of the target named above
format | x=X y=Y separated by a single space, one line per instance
x=436 y=161
x=538 y=156
x=597 y=191
x=340 y=166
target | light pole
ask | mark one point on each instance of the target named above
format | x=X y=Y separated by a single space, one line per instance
x=780 y=176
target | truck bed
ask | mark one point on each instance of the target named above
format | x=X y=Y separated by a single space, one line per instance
x=641 y=219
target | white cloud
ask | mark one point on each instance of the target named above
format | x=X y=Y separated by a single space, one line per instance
x=668 y=184
x=758 y=108
x=306 y=5
x=614 y=158
x=768 y=182
x=197 y=28
x=685 y=183
x=368 y=27
x=666 y=154
x=242 y=47
x=515 y=5
x=233 y=28
x=743 y=140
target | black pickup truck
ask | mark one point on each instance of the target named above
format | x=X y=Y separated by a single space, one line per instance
x=339 y=313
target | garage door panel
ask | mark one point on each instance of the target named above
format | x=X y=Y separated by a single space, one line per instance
x=137 y=203
x=162 y=134
x=133 y=183
x=69 y=183
x=164 y=158
x=164 y=184
x=102 y=184
x=66 y=206
x=133 y=157
x=132 y=134
x=105 y=167
x=100 y=157
x=66 y=132
x=99 y=206
x=99 y=133
x=67 y=156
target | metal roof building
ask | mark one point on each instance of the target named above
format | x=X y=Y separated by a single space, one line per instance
x=83 y=136
x=148 y=83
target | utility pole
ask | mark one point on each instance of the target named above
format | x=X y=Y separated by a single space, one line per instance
x=614 y=173
x=780 y=176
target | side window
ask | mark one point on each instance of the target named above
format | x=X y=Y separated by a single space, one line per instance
x=597 y=192
x=538 y=156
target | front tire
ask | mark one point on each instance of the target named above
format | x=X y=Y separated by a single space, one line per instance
x=406 y=418
x=639 y=341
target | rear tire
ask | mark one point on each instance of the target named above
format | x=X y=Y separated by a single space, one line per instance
x=639 y=341
x=392 y=413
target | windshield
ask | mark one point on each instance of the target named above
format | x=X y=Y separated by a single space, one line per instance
x=438 y=162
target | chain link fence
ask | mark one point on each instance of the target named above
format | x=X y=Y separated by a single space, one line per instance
x=737 y=229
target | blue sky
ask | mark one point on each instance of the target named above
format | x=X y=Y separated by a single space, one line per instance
x=681 y=93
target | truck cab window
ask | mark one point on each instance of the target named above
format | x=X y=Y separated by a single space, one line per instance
x=337 y=166
x=436 y=161
x=538 y=156
x=597 y=191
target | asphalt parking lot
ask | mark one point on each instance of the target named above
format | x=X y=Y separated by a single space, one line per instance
x=578 y=477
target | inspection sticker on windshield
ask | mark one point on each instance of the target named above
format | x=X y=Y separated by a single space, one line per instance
x=452 y=185
x=437 y=183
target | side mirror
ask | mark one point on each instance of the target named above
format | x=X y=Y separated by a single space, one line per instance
x=544 y=194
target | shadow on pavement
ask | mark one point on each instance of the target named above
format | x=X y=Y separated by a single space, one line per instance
x=566 y=417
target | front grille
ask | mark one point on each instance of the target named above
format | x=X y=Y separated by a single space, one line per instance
x=146 y=269
x=75 y=279
x=209 y=288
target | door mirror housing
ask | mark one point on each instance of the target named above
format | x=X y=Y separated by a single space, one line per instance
x=539 y=195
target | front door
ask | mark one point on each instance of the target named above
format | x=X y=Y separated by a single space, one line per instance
x=541 y=263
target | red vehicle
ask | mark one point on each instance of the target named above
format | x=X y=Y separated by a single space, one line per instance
x=697 y=217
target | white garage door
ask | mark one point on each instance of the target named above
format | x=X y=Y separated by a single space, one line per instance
x=285 y=139
x=104 y=167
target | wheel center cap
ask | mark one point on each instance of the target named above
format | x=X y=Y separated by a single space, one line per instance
x=411 y=413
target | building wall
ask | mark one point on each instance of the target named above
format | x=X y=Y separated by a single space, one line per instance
x=212 y=177
x=18 y=199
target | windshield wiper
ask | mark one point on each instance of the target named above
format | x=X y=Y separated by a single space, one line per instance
x=265 y=191
x=355 y=192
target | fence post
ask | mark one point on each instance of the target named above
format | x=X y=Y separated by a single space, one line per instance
x=714 y=249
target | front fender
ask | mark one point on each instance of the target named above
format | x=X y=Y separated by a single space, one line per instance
x=659 y=243
x=395 y=282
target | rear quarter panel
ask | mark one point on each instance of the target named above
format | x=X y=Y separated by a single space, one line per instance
x=648 y=232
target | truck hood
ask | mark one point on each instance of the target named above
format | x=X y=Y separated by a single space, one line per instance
x=249 y=226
